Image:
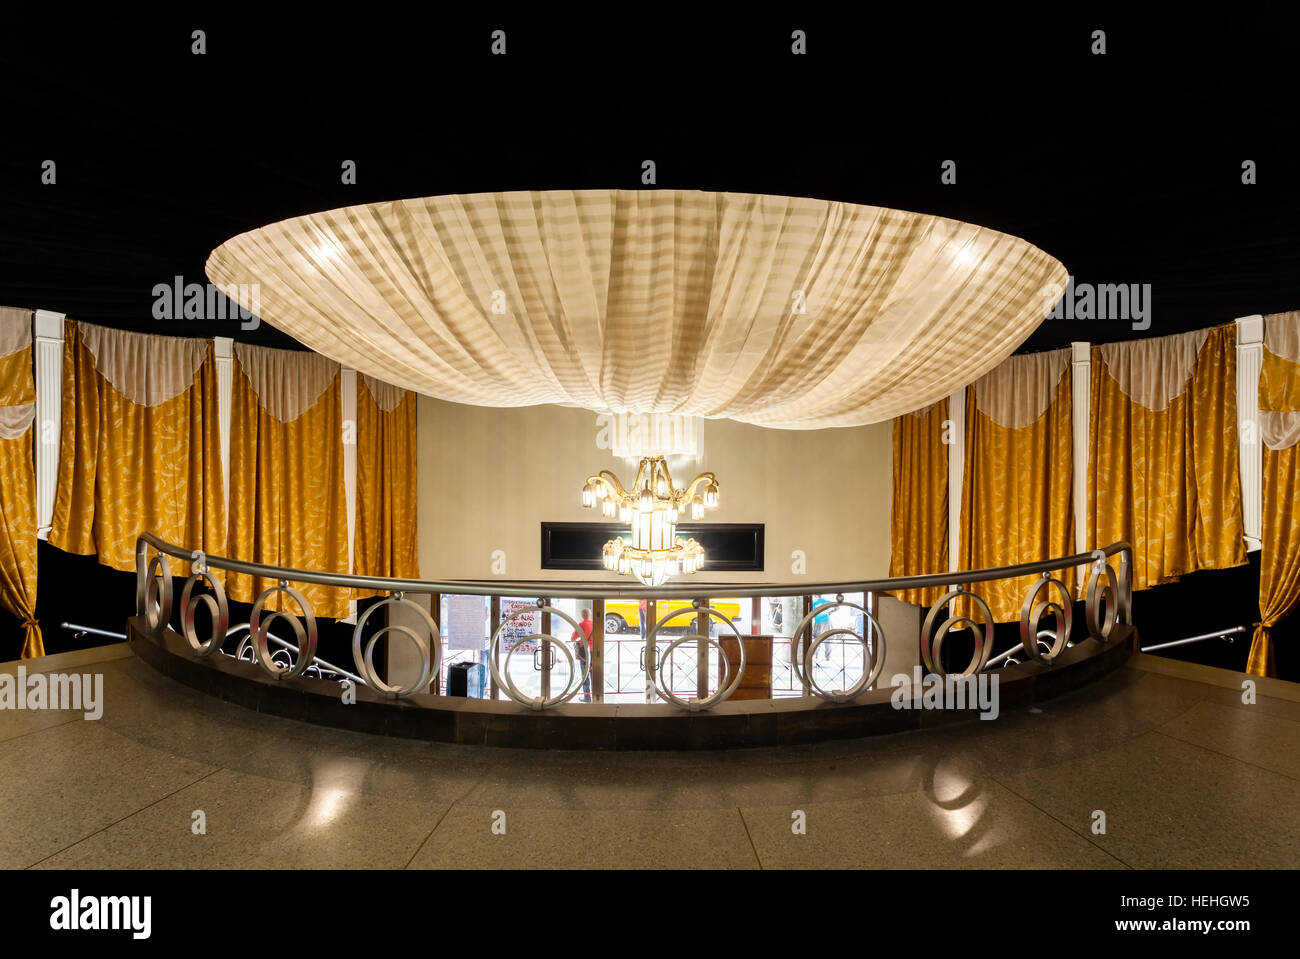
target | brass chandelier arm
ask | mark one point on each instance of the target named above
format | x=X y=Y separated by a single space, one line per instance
x=605 y=476
x=689 y=493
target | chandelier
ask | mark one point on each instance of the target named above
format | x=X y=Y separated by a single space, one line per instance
x=652 y=507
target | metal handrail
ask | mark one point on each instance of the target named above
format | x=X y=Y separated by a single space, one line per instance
x=1218 y=634
x=285 y=644
x=617 y=589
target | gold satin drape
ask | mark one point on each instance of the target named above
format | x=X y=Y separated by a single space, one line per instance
x=918 y=525
x=1168 y=481
x=125 y=469
x=18 y=504
x=287 y=501
x=1279 y=566
x=385 y=542
x=1017 y=487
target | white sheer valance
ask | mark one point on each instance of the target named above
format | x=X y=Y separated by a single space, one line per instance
x=14 y=420
x=1020 y=390
x=780 y=311
x=15 y=330
x=1280 y=430
x=287 y=383
x=1282 y=335
x=1155 y=371
x=146 y=368
x=386 y=395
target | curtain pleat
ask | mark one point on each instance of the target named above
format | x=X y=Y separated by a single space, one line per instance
x=18 y=482
x=287 y=501
x=385 y=542
x=1016 y=496
x=919 y=517
x=1168 y=480
x=126 y=468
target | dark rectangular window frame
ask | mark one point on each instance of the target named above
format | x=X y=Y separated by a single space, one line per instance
x=608 y=530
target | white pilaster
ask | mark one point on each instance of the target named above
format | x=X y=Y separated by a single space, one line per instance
x=1080 y=418
x=1250 y=356
x=223 y=348
x=48 y=343
x=348 y=384
x=956 y=463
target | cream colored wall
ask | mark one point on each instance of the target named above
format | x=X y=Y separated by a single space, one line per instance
x=489 y=477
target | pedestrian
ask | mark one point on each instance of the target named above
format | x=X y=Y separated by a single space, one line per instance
x=582 y=644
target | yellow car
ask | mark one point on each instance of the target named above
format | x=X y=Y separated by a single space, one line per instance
x=624 y=615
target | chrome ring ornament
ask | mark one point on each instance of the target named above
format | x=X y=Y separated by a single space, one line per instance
x=729 y=683
x=1032 y=612
x=430 y=651
x=259 y=625
x=1101 y=627
x=804 y=667
x=158 y=599
x=983 y=643
x=576 y=679
x=218 y=611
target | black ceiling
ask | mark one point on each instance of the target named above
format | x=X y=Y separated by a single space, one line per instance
x=1126 y=167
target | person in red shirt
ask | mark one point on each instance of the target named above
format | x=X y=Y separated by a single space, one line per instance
x=582 y=645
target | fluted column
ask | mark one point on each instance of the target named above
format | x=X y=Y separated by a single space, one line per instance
x=224 y=353
x=1250 y=355
x=48 y=343
x=1080 y=416
x=956 y=463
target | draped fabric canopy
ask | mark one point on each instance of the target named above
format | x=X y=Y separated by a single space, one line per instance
x=783 y=312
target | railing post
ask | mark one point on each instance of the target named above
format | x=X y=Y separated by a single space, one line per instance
x=598 y=651
x=702 y=623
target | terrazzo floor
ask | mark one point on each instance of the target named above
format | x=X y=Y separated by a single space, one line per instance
x=1185 y=773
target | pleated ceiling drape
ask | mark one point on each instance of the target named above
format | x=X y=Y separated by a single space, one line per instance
x=1279 y=416
x=1163 y=468
x=287 y=501
x=18 y=476
x=1017 y=475
x=385 y=542
x=918 y=523
x=140 y=449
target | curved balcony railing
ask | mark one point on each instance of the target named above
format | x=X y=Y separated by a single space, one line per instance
x=1106 y=594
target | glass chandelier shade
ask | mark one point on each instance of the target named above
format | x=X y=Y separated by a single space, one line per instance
x=652 y=507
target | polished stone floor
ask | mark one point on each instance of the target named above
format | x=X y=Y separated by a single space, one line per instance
x=1185 y=774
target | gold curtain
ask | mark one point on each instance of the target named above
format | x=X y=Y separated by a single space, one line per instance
x=1279 y=569
x=918 y=527
x=141 y=464
x=1016 y=495
x=1167 y=480
x=18 y=478
x=287 y=501
x=385 y=541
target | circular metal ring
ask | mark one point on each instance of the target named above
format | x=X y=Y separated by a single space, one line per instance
x=259 y=626
x=430 y=652
x=218 y=611
x=983 y=644
x=576 y=679
x=158 y=599
x=1099 y=627
x=729 y=682
x=803 y=669
x=1031 y=612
